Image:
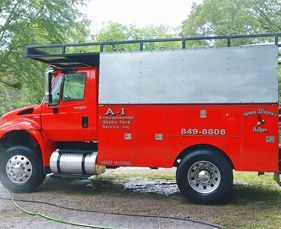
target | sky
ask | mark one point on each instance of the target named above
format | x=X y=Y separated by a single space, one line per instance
x=140 y=13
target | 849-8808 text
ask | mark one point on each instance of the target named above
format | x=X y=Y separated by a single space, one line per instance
x=203 y=131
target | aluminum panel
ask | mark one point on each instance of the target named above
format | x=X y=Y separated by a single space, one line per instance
x=245 y=74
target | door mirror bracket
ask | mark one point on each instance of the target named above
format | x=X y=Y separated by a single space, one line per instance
x=49 y=74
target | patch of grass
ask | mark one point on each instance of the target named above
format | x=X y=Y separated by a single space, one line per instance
x=258 y=198
x=257 y=195
x=256 y=201
x=253 y=178
x=263 y=190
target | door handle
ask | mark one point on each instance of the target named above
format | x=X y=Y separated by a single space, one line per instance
x=85 y=122
x=80 y=108
x=55 y=110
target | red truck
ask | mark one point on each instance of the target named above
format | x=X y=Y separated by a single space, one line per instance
x=205 y=111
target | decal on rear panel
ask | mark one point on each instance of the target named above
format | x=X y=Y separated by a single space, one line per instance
x=261 y=114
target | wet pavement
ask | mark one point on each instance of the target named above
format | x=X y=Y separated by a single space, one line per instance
x=133 y=200
x=138 y=185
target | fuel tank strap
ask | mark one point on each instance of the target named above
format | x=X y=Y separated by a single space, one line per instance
x=83 y=164
x=58 y=163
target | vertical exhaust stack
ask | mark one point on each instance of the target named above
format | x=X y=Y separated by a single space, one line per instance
x=63 y=162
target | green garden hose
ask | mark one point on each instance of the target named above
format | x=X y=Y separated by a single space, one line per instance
x=91 y=211
x=52 y=218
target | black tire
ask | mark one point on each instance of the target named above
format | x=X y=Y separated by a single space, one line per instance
x=37 y=175
x=223 y=187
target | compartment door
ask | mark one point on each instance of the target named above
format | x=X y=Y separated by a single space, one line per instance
x=260 y=138
x=150 y=137
x=116 y=135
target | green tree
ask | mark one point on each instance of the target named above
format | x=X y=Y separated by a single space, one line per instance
x=226 y=17
x=118 y=32
x=24 y=22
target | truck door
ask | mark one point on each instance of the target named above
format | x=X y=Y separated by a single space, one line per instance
x=70 y=117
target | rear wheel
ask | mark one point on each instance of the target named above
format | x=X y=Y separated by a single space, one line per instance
x=21 y=169
x=205 y=176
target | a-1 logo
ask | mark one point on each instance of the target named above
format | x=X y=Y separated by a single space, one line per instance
x=110 y=112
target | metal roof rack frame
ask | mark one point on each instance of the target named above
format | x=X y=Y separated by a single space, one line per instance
x=58 y=56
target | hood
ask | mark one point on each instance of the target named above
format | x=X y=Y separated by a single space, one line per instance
x=22 y=112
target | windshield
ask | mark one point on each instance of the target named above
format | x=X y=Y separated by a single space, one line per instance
x=56 y=86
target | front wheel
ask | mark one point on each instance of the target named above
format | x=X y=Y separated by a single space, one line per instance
x=21 y=169
x=205 y=176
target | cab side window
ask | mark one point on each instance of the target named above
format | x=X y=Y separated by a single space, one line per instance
x=74 y=86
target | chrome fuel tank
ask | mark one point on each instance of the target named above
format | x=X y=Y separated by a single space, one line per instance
x=75 y=163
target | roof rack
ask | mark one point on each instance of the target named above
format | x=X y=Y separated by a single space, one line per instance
x=65 y=56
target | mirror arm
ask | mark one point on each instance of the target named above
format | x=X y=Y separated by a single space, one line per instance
x=50 y=87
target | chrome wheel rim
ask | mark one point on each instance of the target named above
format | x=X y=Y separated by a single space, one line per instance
x=204 y=177
x=19 y=169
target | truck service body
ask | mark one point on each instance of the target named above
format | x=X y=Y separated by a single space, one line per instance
x=205 y=111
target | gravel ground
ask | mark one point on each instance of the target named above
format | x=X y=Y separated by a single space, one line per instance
x=140 y=196
x=143 y=195
x=13 y=219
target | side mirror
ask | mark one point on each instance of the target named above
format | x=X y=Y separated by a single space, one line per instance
x=49 y=74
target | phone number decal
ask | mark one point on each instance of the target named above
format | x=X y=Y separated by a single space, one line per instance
x=203 y=131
